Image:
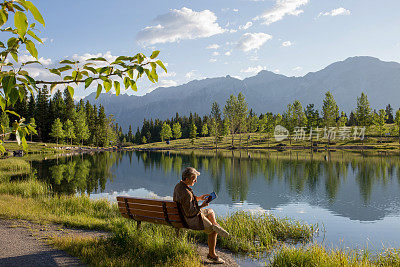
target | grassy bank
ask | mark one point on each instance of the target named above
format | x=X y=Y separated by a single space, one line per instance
x=317 y=255
x=152 y=245
x=264 y=141
x=13 y=166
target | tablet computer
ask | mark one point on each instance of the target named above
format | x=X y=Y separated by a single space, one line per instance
x=212 y=196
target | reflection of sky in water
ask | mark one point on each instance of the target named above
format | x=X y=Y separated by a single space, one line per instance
x=339 y=231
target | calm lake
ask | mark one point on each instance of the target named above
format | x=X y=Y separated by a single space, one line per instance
x=354 y=197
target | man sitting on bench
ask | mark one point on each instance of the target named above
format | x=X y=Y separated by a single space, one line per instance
x=196 y=217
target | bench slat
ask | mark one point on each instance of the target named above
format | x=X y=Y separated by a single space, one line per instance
x=170 y=210
x=146 y=201
x=153 y=220
x=152 y=214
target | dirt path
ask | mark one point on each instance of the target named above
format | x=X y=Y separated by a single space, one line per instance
x=22 y=243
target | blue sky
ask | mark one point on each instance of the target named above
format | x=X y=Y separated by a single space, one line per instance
x=201 y=39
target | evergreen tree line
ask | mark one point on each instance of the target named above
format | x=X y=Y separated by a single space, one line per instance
x=236 y=118
x=59 y=119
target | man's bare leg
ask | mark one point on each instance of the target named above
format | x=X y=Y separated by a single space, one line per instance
x=212 y=243
x=211 y=217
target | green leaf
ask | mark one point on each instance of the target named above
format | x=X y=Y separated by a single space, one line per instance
x=13 y=95
x=149 y=75
x=88 y=81
x=13 y=113
x=159 y=63
x=133 y=85
x=117 y=88
x=3 y=17
x=126 y=82
x=21 y=23
x=31 y=33
x=55 y=71
x=98 y=59
x=130 y=73
x=107 y=85
x=14 y=56
x=35 y=12
x=67 y=67
x=67 y=78
x=154 y=54
x=93 y=70
x=70 y=90
x=8 y=83
x=2 y=103
x=24 y=143
x=30 y=46
x=99 y=88
x=52 y=86
x=66 y=61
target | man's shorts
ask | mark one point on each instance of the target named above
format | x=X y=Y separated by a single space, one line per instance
x=208 y=229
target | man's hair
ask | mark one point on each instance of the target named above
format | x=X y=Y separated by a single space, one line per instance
x=189 y=172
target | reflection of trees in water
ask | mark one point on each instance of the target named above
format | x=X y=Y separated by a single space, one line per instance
x=300 y=172
x=79 y=174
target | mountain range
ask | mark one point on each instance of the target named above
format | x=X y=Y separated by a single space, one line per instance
x=264 y=92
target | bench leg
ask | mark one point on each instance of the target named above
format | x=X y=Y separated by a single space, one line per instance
x=138 y=223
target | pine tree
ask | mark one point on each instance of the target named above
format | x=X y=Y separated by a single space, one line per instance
x=144 y=140
x=379 y=121
x=42 y=114
x=330 y=110
x=363 y=111
x=69 y=130
x=312 y=116
x=204 y=130
x=242 y=111
x=397 y=122
x=166 y=132
x=130 y=135
x=231 y=114
x=342 y=120
x=57 y=129
x=193 y=132
x=389 y=114
x=69 y=106
x=101 y=128
x=82 y=132
x=176 y=129
x=59 y=107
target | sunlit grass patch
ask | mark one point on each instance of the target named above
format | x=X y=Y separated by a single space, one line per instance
x=152 y=245
x=317 y=255
x=253 y=234
x=13 y=166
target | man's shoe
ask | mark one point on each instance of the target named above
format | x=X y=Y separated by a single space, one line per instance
x=219 y=230
x=216 y=260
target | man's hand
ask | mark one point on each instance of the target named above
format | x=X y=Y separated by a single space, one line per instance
x=203 y=197
x=204 y=204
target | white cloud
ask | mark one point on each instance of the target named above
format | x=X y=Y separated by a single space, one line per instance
x=253 y=41
x=277 y=71
x=215 y=53
x=232 y=31
x=212 y=60
x=287 y=43
x=228 y=53
x=336 y=12
x=235 y=10
x=168 y=74
x=26 y=58
x=297 y=68
x=281 y=9
x=212 y=46
x=246 y=26
x=253 y=70
x=190 y=74
x=180 y=24
x=254 y=58
x=87 y=56
x=167 y=83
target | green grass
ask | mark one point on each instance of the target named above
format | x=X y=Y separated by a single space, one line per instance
x=13 y=166
x=254 y=234
x=317 y=255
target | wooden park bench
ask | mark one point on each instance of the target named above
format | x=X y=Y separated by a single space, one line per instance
x=152 y=210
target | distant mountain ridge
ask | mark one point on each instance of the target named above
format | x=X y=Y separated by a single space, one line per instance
x=266 y=91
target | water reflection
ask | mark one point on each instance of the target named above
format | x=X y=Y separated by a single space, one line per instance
x=358 y=186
